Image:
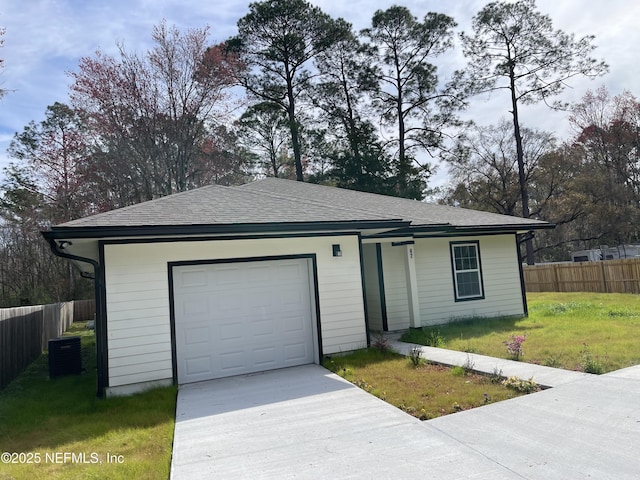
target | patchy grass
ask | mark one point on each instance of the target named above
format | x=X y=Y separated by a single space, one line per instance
x=426 y=391
x=46 y=419
x=574 y=331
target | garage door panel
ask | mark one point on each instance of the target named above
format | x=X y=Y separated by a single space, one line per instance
x=295 y=351
x=198 y=365
x=259 y=274
x=193 y=278
x=227 y=301
x=195 y=335
x=259 y=300
x=195 y=305
x=250 y=316
x=230 y=332
x=263 y=328
x=232 y=362
x=288 y=273
x=265 y=357
x=228 y=277
x=293 y=324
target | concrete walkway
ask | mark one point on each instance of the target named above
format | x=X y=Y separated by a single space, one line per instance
x=307 y=423
x=544 y=376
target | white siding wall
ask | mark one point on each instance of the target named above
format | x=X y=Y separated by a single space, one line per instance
x=500 y=275
x=372 y=285
x=395 y=287
x=137 y=287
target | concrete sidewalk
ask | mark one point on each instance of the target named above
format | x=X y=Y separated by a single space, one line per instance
x=546 y=377
x=589 y=428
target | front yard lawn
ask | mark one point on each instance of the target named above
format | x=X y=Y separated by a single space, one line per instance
x=426 y=391
x=59 y=429
x=596 y=333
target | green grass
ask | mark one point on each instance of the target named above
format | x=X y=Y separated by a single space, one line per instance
x=42 y=416
x=426 y=391
x=564 y=330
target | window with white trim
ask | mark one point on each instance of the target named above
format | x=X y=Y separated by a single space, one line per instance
x=467 y=272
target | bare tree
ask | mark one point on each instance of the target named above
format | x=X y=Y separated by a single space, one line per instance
x=153 y=113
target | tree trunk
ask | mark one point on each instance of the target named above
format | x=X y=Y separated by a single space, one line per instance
x=293 y=126
x=522 y=180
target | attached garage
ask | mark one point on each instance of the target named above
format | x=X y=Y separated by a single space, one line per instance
x=234 y=318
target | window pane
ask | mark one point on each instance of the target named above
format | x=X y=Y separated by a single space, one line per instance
x=468 y=284
x=465 y=257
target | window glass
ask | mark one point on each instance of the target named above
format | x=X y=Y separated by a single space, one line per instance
x=467 y=275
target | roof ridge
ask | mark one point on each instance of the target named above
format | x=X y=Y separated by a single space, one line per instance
x=323 y=204
x=435 y=205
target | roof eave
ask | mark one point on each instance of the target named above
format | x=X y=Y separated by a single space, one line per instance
x=60 y=232
x=495 y=229
x=450 y=230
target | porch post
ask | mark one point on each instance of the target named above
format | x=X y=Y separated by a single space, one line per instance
x=412 y=286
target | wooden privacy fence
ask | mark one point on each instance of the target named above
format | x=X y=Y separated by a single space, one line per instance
x=609 y=276
x=25 y=332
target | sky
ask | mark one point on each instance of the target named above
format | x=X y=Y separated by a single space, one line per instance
x=45 y=40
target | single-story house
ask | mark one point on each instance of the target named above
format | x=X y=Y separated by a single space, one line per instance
x=221 y=281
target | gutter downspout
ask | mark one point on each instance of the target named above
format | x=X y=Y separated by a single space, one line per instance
x=100 y=326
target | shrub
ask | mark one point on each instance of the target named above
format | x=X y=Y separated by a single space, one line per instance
x=468 y=365
x=380 y=342
x=496 y=376
x=519 y=385
x=591 y=363
x=514 y=346
x=415 y=355
x=434 y=339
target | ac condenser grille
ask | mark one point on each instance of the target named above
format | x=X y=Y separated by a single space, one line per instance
x=64 y=356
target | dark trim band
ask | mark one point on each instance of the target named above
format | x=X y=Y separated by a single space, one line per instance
x=173 y=230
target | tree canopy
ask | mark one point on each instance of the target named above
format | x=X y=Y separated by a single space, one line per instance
x=407 y=94
x=153 y=114
x=515 y=48
x=277 y=41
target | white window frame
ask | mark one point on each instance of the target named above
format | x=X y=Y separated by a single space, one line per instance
x=477 y=270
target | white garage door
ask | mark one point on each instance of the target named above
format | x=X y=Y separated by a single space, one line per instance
x=243 y=317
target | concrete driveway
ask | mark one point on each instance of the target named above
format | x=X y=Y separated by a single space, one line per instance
x=305 y=422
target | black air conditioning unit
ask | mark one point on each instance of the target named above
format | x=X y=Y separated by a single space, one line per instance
x=64 y=356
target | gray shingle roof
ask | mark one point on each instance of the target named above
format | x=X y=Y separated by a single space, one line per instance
x=419 y=213
x=283 y=201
